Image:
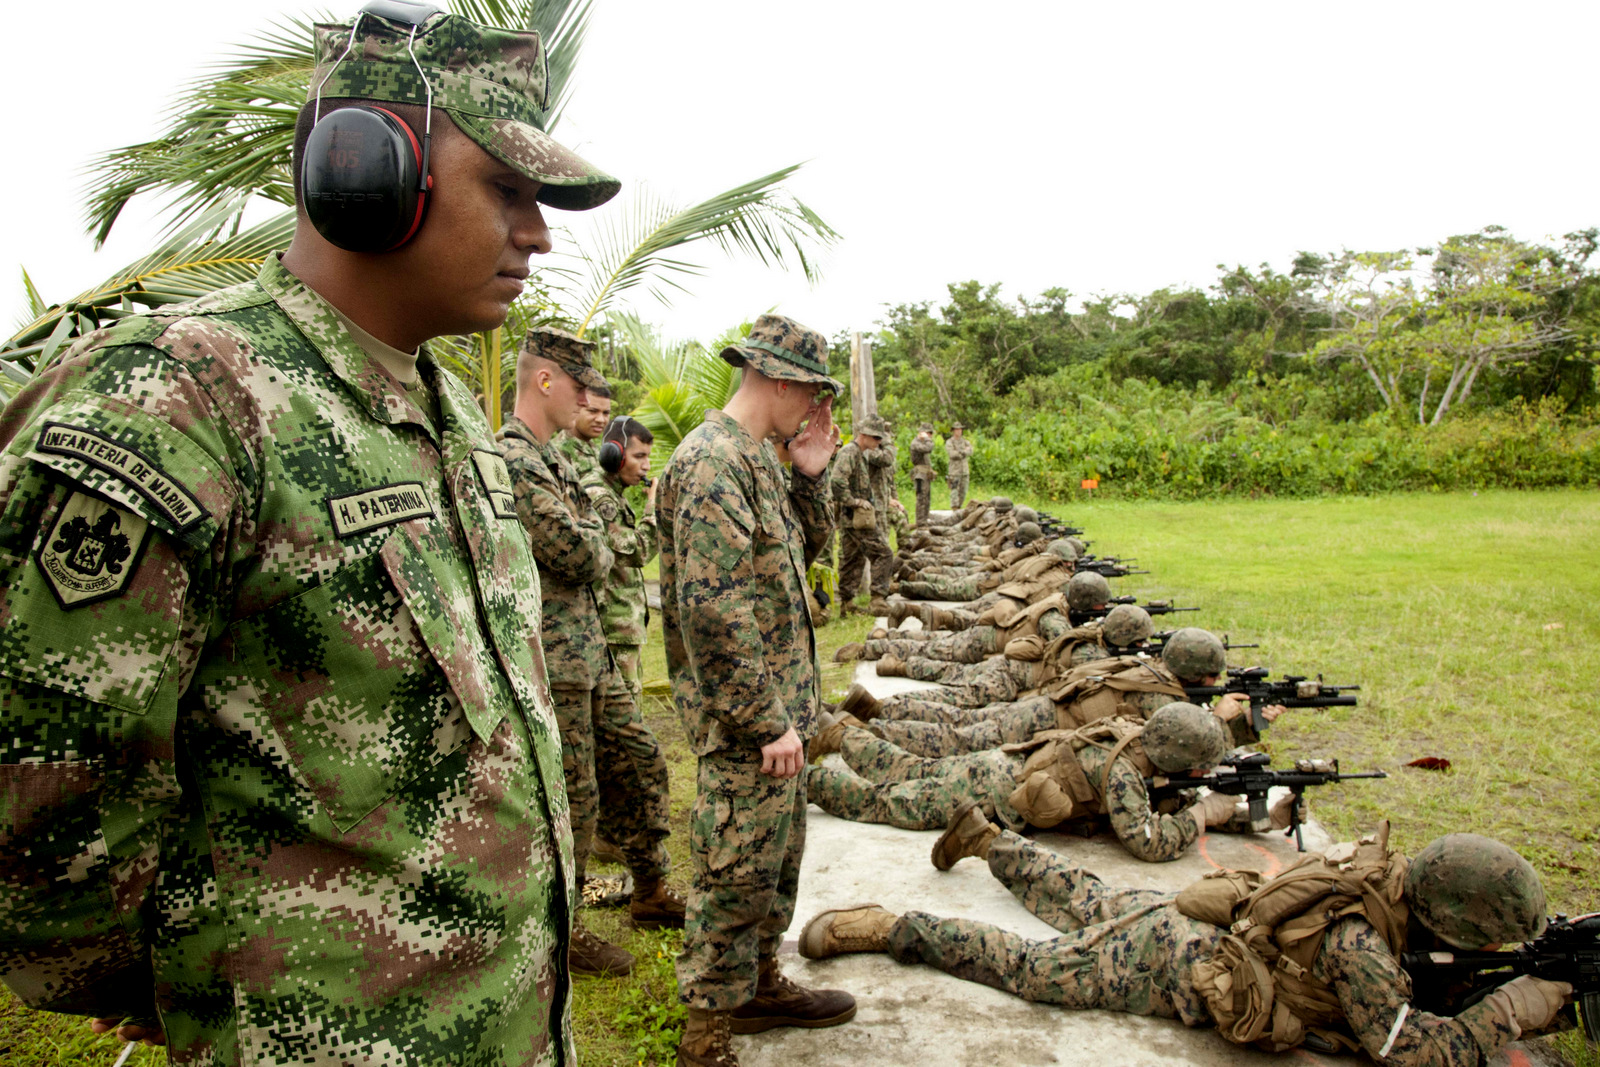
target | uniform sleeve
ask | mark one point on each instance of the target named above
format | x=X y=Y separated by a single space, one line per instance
x=570 y=547
x=1147 y=834
x=1054 y=624
x=627 y=547
x=878 y=458
x=1375 y=994
x=114 y=530
x=843 y=472
x=809 y=498
x=714 y=529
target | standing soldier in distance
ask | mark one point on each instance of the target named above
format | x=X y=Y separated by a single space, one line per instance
x=861 y=542
x=570 y=546
x=886 y=492
x=735 y=546
x=635 y=823
x=581 y=442
x=957 y=450
x=271 y=625
x=922 y=470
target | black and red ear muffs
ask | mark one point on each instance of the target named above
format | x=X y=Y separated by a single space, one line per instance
x=611 y=450
x=364 y=179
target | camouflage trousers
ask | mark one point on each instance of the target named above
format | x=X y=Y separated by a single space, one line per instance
x=900 y=525
x=857 y=548
x=958 y=490
x=963 y=730
x=942 y=589
x=924 y=488
x=887 y=785
x=972 y=685
x=746 y=835
x=953 y=646
x=1121 y=949
x=612 y=761
x=631 y=771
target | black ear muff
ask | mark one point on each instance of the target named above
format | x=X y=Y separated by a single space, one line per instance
x=611 y=457
x=364 y=180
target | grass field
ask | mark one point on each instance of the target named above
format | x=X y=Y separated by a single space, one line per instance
x=1469 y=621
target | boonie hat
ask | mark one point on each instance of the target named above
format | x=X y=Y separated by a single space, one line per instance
x=779 y=347
x=958 y=426
x=494 y=83
x=875 y=425
x=569 y=352
x=926 y=427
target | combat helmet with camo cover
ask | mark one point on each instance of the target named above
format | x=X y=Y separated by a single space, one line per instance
x=1001 y=504
x=1026 y=514
x=1474 y=891
x=1028 y=533
x=1087 y=591
x=1182 y=737
x=1126 y=625
x=1063 y=547
x=1194 y=653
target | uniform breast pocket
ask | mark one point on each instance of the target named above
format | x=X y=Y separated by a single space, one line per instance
x=364 y=681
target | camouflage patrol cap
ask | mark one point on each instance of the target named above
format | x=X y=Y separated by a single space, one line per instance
x=1183 y=737
x=875 y=426
x=493 y=83
x=1126 y=624
x=1474 y=891
x=1028 y=532
x=1064 y=548
x=1087 y=590
x=779 y=347
x=925 y=427
x=1194 y=653
x=569 y=352
x=1026 y=514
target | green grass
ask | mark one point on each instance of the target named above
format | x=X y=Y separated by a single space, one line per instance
x=1437 y=605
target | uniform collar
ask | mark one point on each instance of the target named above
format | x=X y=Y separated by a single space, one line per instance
x=515 y=427
x=761 y=451
x=376 y=390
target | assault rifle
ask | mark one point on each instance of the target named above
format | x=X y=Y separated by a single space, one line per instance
x=1294 y=691
x=1110 y=567
x=1447 y=983
x=1158 y=641
x=1154 y=607
x=1248 y=776
x=1058 y=527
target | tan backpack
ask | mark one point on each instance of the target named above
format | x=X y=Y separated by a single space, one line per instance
x=1099 y=690
x=1053 y=787
x=1258 y=986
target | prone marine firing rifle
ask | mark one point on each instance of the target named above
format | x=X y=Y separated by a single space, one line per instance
x=1446 y=983
x=1294 y=691
x=1158 y=641
x=1249 y=776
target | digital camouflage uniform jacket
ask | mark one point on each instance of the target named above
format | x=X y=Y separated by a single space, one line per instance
x=921 y=458
x=581 y=454
x=569 y=544
x=279 y=754
x=735 y=545
x=881 y=473
x=624 y=608
x=957 y=451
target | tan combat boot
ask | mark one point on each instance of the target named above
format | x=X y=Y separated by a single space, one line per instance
x=899 y=608
x=938 y=618
x=831 y=736
x=654 y=905
x=969 y=834
x=707 y=1041
x=590 y=954
x=891 y=666
x=879 y=633
x=781 y=1002
x=860 y=703
x=849 y=652
x=863 y=928
x=878 y=605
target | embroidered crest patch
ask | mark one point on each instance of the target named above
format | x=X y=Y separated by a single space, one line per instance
x=92 y=551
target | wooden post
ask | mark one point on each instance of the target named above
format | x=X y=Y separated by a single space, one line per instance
x=863 y=386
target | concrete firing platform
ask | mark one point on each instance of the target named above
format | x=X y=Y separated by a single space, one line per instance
x=915 y=1016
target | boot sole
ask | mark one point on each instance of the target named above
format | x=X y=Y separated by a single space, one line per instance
x=955 y=821
x=772 y=1022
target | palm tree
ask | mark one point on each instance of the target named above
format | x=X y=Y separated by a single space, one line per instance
x=231 y=141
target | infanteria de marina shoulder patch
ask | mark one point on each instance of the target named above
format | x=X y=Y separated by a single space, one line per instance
x=91 y=551
x=128 y=464
x=496 y=482
x=370 y=509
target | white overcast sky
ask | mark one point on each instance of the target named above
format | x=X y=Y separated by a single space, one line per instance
x=1098 y=147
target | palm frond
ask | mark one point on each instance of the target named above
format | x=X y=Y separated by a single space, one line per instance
x=188 y=265
x=634 y=243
